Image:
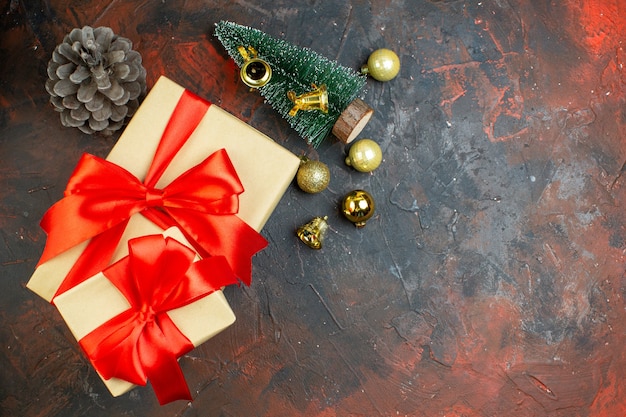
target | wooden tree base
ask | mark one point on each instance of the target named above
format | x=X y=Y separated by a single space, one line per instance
x=352 y=121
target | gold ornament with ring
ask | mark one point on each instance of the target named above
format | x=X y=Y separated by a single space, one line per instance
x=383 y=65
x=358 y=207
x=255 y=72
x=317 y=99
x=364 y=155
x=313 y=176
x=312 y=233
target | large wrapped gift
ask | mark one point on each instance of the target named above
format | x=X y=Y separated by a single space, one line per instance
x=180 y=162
x=156 y=303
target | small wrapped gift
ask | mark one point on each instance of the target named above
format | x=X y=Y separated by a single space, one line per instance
x=180 y=162
x=138 y=316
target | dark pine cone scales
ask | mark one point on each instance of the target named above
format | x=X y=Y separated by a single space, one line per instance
x=95 y=80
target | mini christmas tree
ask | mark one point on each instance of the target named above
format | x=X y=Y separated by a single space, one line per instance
x=296 y=71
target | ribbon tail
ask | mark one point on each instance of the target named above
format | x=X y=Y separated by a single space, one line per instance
x=96 y=256
x=159 y=349
x=168 y=383
x=236 y=240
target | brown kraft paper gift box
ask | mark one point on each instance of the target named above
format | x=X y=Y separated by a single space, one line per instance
x=96 y=300
x=264 y=168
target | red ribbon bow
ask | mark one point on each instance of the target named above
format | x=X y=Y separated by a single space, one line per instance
x=202 y=202
x=143 y=342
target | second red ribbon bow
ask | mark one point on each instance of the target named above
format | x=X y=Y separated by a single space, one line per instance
x=157 y=276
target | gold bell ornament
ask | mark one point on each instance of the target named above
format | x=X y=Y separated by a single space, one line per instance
x=358 y=207
x=383 y=65
x=312 y=176
x=364 y=155
x=312 y=233
x=317 y=99
x=255 y=72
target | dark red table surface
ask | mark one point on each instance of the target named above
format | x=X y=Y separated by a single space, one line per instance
x=490 y=281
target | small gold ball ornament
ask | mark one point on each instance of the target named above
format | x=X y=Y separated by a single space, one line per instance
x=312 y=176
x=383 y=65
x=358 y=207
x=364 y=155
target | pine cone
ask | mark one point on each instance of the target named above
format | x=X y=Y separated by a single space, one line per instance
x=95 y=80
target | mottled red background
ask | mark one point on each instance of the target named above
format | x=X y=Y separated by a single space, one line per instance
x=489 y=283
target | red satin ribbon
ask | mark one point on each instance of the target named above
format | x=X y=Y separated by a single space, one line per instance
x=143 y=343
x=202 y=202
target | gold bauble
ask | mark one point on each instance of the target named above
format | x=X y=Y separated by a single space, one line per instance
x=312 y=233
x=358 y=207
x=383 y=65
x=364 y=155
x=312 y=176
